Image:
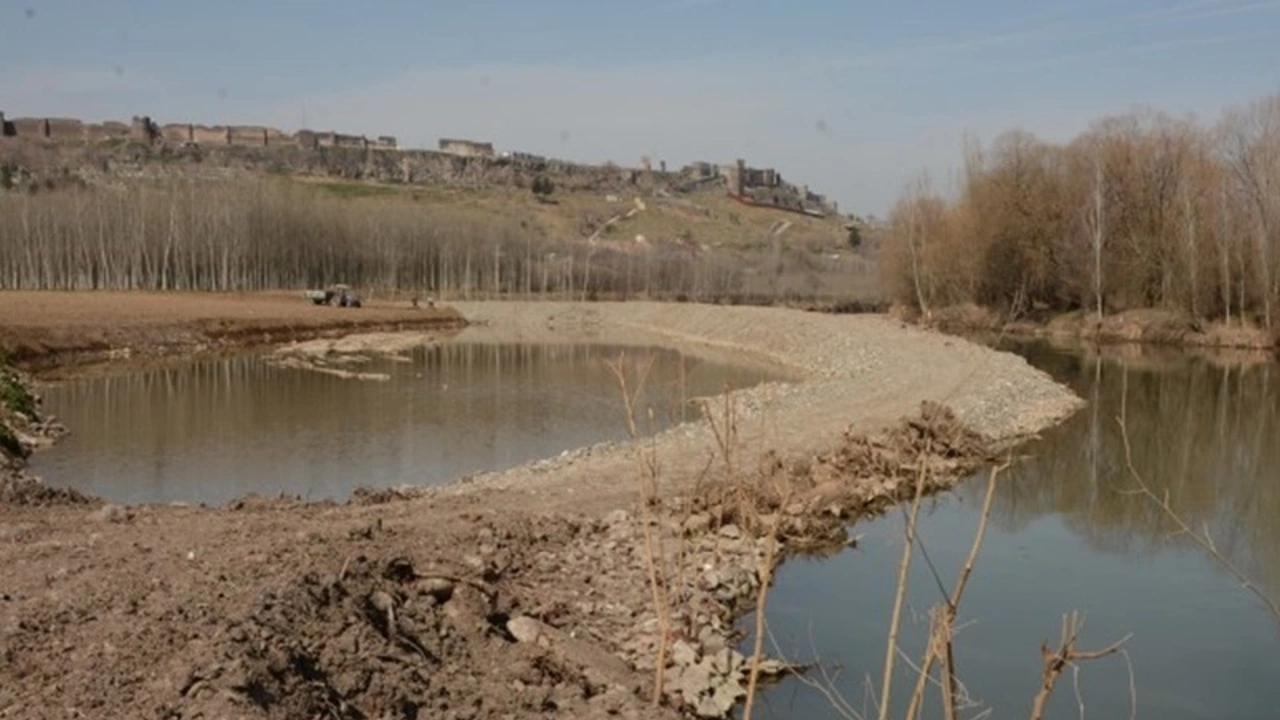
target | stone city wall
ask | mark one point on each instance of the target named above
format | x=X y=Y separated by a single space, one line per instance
x=142 y=129
x=68 y=144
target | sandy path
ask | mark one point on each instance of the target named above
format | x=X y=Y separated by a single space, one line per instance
x=850 y=371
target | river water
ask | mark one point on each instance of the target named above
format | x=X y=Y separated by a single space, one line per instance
x=1067 y=533
x=213 y=430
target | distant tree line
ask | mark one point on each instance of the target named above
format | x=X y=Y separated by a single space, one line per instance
x=272 y=233
x=1140 y=211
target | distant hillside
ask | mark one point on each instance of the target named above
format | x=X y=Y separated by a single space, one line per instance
x=142 y=211
x=51 y=149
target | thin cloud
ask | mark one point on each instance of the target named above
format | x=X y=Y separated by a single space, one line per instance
x=73 y=81
x=607 y=113
x=1162 y=45
x=1203 y=9
x=678 y=5
x=1078 y=23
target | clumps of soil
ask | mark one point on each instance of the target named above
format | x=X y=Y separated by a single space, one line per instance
x=530 y=616
x=387 y=634
x=380 y=496
x=17 y=487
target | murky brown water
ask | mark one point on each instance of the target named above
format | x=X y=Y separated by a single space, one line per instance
x=214 y=430
x=1068 y=533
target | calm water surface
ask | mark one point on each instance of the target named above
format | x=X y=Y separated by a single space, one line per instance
x=1067 y=534
x=214 y=430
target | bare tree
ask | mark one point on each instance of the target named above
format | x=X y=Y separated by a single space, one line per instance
x=1096 y=221
x=1141 y=211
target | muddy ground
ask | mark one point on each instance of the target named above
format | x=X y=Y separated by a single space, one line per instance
x=546 y=589
x=53 y=330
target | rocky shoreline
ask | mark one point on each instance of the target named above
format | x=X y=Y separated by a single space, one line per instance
x=557 y=586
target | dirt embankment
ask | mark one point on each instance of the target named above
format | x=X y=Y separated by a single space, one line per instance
x=1149 y=327
x=549 y=588
x=43 y=330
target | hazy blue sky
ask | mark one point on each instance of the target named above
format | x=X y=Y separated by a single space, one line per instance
x=851 y=97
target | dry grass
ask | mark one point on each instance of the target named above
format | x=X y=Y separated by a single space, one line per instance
x=709 y=218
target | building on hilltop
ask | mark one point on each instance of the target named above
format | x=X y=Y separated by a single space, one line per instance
x=741 y=178
x=699 y=170
x=765 y=187
x=466 y=148
x=526 y=158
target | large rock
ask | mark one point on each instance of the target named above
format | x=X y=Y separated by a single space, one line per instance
x=597 y=665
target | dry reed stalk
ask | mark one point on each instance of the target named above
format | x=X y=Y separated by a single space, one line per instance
x=725 y=435
x=900 y=592
x=647 y=475
x=1055 y=661
x=762 y=597
x=768 y=563
x=942 y=631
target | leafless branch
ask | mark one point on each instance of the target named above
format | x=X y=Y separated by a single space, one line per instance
x=1066 y=655
x=1205 y=541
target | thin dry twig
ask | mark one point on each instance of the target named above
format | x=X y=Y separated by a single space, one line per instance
x=767 y=563
x=647 y=472
x=942 y=629
x=900 y=594
x=762 y=595
x=827 y=687
x=1133 y=685
x=1205 y=541
x=1066 y=655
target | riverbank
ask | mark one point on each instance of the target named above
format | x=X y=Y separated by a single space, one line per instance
x=57 y=330
x=1145 y=327
x=519 y=592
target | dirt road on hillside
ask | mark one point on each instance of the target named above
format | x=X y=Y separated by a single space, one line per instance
x=513 y=594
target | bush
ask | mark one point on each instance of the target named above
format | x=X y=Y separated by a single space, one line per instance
x=542 y=186
x=14 y=396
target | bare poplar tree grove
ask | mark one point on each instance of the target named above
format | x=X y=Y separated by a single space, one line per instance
x=204 y=234
x=1140 y=211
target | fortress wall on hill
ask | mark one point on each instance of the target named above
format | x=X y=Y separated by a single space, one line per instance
x=71 y=145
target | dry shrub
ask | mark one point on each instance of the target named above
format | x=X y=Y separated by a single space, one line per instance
x=966 y=317
x=1141 y=211
x=808 y=504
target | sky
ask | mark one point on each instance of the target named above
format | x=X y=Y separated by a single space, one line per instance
x=852 y=98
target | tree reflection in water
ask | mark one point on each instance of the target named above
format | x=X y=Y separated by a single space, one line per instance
x=1203 y=429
